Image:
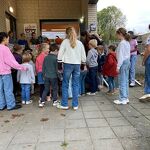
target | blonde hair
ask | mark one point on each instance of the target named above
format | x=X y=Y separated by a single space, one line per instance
x=72 y=36
x=26 y=57
x=45 y=46
x=93 y=43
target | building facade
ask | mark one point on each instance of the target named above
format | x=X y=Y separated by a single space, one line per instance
x=44 y=15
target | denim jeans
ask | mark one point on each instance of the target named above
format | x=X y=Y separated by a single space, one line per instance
x=111 y=83
x=74 y=70
x=70 y=88
x=124 y=80
x=82 y=82
x=133 y=60
x=6 y=92
x=93 y=79
x=147 y=76
x=25 y=92
x=100 y=78
x=53 y=82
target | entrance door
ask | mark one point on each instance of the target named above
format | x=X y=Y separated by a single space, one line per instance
x=10 y=23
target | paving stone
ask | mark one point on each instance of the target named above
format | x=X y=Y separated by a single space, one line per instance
x=25 y=137
x=49 y=146
x=148 y=117
x=80 y=145
x=77 y=134
x=90 y=108
x=107 y=107
x=112 y=114
x=77 y=115
x=102 y=133
x=51 y=135
x=103 y=102
x=126 y=131
x=118 y=121
x=93 y=114
x=135 y=144
x=145 y=111
x=108 y=144
x=88 y=103
x=21 y=147
x=5 y=138
x=3 y=147
x=97 y=123
x=75 y=123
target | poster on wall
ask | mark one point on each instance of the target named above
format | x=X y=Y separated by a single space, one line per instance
x=29 y=28
x=52 y=35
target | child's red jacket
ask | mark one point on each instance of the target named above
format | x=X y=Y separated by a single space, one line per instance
x=110 y=65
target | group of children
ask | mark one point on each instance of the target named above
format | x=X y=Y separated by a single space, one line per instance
x=99 y=65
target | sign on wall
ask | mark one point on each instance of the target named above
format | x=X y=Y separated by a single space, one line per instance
x=29 y=28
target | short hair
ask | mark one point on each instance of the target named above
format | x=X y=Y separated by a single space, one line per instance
x=3 y=35
x=17 y=47
x=26 y=57
x=93 y=43
x=53 y=47
x=112 y=47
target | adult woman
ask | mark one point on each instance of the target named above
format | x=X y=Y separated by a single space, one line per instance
x=146 y=63
x=123 y=56
x=72 y=54
x=7 y=61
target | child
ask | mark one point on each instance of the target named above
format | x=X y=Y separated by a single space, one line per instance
x=50 y=72
x=123 y=65
x=26 y=78
x=110 y=68
x=101 y=61
x=93 y=66
x=39 y=64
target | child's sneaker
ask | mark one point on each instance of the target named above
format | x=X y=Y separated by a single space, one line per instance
x=23 y=102
x=91 y=94
x=62 y=107
x=41 y=105
x=55 y=103
x=28 y=102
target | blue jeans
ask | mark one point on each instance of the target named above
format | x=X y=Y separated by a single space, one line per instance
x=133 y=60
x=93 y=79
x=25 y=92
x=147 y=76
x=74 y=70
x=124 y=80
x=70 y=88
x=6 y=92
x=82 y=82
x=111 y=83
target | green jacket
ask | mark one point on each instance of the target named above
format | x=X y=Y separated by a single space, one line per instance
x=50 y=67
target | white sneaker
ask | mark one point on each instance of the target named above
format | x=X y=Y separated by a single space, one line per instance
x=127 y=101
x=145 y=96
x=55 y=103
x=118 y=102
x=23 y=102
x=62 y=107
x=39 y=100
x=28 y=102
x=75 y=108
x=91 y=94
x=41 y=105
x=132 y=84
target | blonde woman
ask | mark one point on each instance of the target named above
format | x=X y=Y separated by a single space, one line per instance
x=71 y=54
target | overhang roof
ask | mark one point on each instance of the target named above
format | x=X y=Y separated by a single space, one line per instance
x=93 y=1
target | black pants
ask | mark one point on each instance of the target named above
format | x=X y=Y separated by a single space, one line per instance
x=15 y=84
x=54 y=84
x=93 y=79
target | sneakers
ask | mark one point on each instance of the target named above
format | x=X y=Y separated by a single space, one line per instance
x=41 y=104
x=75 y=108
x=145 y=98
x=55 y=103
x=132 y=84
x=28 y=102
x=118 y=102
x=62 y=107
x=23 y=102
x=91 y=94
